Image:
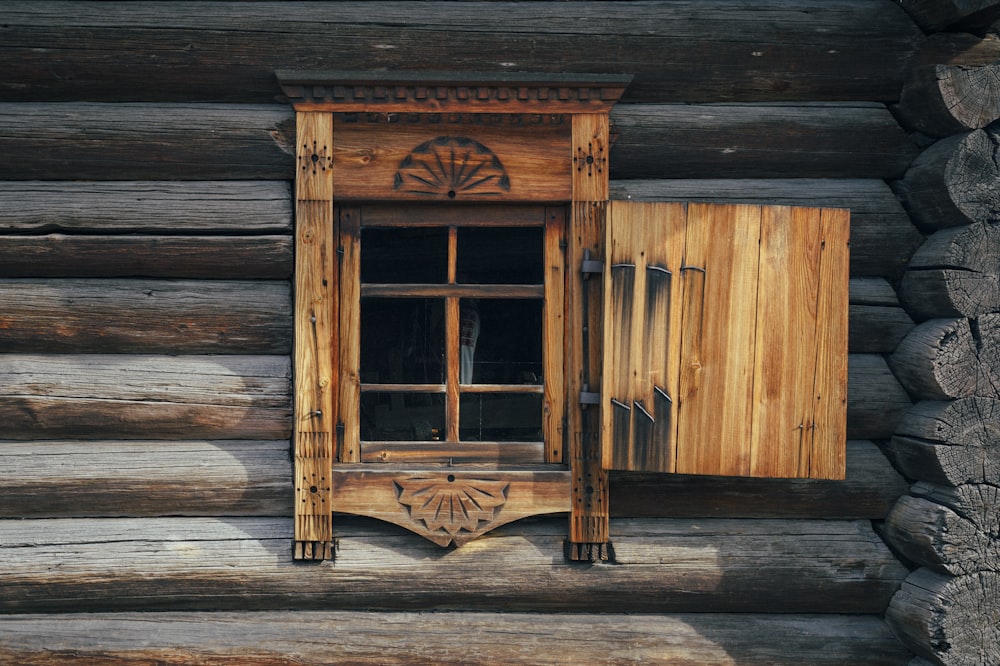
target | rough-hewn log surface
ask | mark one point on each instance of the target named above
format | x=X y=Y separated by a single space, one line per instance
x=145 y=396
x=156 y=316
x=951 y=358
x=870 y=489
x=755 y=141
x=933 y=15
x=953 y=182
x=882 y=236
x=249 y=397
x=950 y=443
x=206 y=257
x=317 y=637
x=220 y=141
x=224 y=51
x=875 y=400
x=951 y=621
x=147 y=207
x=876 y=322
x=706 y=565
x=950 y=530
x=52 y=479
x=956 y=272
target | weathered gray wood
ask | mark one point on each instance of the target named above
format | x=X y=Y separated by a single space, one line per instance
x=661 y=566
x=953 y=182
x=933 y=15
x=943 y=359
x=875 y=400
x=870 y=489
x=949 y=443
x=209 y=257
x=949 y=620
x=63 y=479
x=769 y=49
x=359 y=637
x=956 y=272
x=218 y=141
x=158 y=316
x=145 y=478
x=950 y=530
x=146 y=207
x=145 y=396
x=758 y=141
x=876 y=322
x=882 y=236
x=248 y=397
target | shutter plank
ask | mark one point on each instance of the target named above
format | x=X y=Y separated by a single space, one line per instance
x=828 y=459
x=718 y=338
x=785 y=354
x=553 y=332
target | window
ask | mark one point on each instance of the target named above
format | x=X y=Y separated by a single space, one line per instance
x=480 y=335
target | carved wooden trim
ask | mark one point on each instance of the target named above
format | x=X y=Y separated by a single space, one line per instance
x=469 y=92
x=452 y=165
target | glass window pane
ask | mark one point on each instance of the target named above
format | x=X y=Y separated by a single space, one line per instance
x=500 y=417
x=402 y=341
x=402 y=417
x=395 y=255
x=507 y=346
x=500 y=256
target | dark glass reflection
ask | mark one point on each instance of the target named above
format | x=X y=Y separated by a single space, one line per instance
x=500 y=417
x=508 y=348
x=402 y=341
x=403 y=417
x=500 y=256
x=397 y=255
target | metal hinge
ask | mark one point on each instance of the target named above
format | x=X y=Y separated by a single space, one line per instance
x=588 y=265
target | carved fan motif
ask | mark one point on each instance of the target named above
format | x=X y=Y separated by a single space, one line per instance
x=452 y=506
x=451 y=166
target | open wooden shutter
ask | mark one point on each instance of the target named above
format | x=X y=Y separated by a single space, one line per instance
x=725 y=338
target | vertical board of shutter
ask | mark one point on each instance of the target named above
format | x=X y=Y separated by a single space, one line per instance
x=718 y=339
x=554 y=343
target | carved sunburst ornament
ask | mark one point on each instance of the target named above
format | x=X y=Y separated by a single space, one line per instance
x=450 y=507
x=452 y=166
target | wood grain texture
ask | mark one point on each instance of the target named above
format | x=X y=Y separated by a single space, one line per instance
x=786 y=50
x=154 y=316
x=876 y=321
x=146 y=207
x=876 y=401
x=145 y=396
x=882 y=236
x=661 y=566
x=318 y=637
x=68 y=479
x=933 y=15
x=251 y=142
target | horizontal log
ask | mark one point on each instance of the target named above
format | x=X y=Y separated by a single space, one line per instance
x=248 y=397
x=145 y=396
x=219 y=141
x=955 y=273
x=157 y=316
x=954 y=88
x=882 y=236
x=949 y=530
x=209 y=257
x=943 y=359
x=870 y=489
x=146 y=207
x=876 y=322
x=785 y=50
x=949 y=620
x=360 y=637
x=875 y=400
x=758 y=141
x=949 y=443
x=62 y=479
x=660 y=566
x=953 y=182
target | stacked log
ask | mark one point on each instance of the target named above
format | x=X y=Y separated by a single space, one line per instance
x=949 y=443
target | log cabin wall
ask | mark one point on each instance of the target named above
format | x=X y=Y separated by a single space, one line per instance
x=146 y=326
